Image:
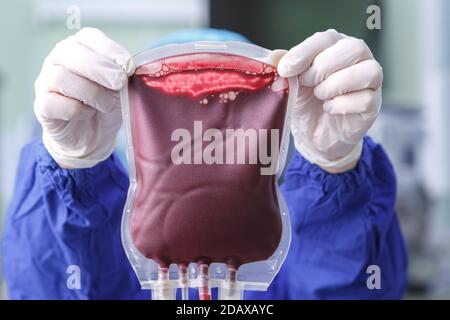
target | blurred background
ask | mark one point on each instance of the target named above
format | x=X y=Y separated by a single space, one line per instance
x=412 y=45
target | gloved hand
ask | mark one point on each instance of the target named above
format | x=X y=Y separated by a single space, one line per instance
x=339 y=97
x=77 y=102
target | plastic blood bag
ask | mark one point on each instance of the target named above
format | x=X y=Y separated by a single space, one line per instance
x=207 y=133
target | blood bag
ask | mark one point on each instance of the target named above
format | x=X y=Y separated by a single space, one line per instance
x=207 y=127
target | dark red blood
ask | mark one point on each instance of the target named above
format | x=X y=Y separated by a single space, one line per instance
x=202 y=213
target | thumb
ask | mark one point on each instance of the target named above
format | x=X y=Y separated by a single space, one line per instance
x=304 y=93
x=276 y=55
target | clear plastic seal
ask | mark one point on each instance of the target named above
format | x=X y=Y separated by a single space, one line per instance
x=207 y=126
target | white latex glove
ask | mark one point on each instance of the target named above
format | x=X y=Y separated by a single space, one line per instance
x=77 y=102
x=339 y=97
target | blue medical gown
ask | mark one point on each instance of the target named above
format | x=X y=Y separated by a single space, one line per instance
x=341 y=224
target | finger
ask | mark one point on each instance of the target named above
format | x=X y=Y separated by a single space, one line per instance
x=60 y=80
x=364 y=75
x=54 y=106
x=89 y=64
x=343 y=54
x=364 y=102
x=300 y=57
x=276 y=55
x=97 y=41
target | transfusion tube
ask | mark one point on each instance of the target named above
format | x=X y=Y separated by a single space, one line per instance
x=230 y=291
x=164 y=290
x=204 y=291
x=184 y=285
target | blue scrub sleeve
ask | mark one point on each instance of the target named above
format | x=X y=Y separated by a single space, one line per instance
x=63 y=224
x=344 y=227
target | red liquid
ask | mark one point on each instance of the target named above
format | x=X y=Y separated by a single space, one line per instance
x=198 y=212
